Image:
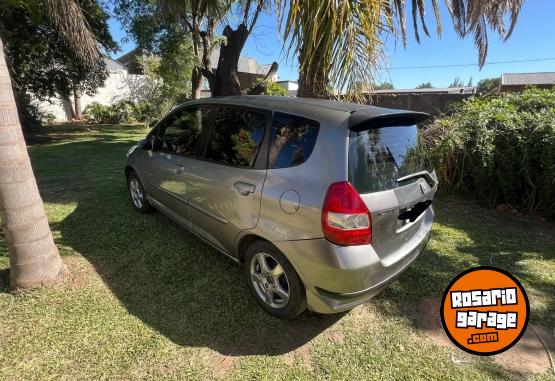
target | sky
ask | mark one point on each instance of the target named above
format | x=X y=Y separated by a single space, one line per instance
x=532 y=39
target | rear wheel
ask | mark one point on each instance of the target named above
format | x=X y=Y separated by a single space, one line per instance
x=138 y=195
x=273 y=281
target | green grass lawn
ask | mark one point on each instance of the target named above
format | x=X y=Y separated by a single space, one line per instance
x=145 y=299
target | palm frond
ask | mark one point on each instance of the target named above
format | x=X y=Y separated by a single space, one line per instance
x=341 y=42
x=476 y=17
x=342 y=39
x=67 y=16
x=193 y=10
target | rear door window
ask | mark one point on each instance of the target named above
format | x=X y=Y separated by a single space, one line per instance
x=292 y=140
x=380 y=156
x=236 y=137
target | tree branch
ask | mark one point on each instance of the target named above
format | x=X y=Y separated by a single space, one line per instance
x=263 y=85
x=210 y=77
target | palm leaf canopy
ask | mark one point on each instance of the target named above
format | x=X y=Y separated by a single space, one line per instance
x=68 y=17
x=347 y=36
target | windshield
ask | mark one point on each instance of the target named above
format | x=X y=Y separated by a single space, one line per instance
x=380 y=156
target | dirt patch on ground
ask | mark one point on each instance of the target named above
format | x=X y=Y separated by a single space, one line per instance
x=81 y=274
x=306 y=356
x=302 y=354
x=429 y=321
x=336 y=337
x=222 y=366
x=528 y=356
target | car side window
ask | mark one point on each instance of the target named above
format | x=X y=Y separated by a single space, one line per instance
x=181 y=133
x=236 y=137
x=292 y=140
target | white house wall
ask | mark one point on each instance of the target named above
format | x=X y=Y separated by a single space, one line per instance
x=118 y=86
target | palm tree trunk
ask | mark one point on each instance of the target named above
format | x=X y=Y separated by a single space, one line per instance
x=34 y=258
x=77 y=102
x=314 y=80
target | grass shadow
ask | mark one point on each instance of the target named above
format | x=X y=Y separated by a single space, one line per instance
x=5 y=281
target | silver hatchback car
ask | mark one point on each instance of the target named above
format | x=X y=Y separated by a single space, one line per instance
x=324 y=203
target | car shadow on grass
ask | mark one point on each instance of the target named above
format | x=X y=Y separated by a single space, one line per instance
x=175 y=283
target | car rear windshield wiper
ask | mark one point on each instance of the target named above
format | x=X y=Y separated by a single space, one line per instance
x=425 y=174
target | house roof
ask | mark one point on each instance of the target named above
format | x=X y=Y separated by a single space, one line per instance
x=516 y=79
x=113 y=65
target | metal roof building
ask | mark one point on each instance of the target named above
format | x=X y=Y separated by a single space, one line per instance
x=518 y=81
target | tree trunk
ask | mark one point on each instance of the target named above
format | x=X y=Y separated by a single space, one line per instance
x=71 y=108
x=313 y=80
x=227 y=79
x=34 y=258
x=196 y=83
x=77 y=101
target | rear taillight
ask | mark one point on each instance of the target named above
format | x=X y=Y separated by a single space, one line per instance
x=345 y=218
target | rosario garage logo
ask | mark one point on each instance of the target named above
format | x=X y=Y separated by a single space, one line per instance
x=485 y=311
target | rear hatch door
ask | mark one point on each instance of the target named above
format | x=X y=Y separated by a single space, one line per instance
x=389 y=167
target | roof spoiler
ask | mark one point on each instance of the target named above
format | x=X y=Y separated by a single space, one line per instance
x=368 y=118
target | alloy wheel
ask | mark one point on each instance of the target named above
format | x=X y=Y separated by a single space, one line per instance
x=136 y=193
x=269 y=280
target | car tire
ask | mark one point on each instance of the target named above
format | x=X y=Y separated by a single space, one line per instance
x=272 y=280
x=138 y=194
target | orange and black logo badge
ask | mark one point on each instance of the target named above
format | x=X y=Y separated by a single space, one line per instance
x=485 y=311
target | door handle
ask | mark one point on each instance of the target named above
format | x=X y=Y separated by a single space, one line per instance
x=243 y=188
x=178 y=170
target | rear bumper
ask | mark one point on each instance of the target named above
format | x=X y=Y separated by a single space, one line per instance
x=338 y=278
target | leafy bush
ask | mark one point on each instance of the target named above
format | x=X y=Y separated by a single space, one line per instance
x=153 y=106
x=276 y=90
x=119 y=112
x=170 y=82
x=268 y=88
x=501 y=149
x=49 y=118
x=29 y=114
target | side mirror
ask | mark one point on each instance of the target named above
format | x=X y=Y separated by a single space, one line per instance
x=144 y=144
x=153 y=123
x=155 y=142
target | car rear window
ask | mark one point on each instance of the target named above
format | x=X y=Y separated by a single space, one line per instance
x=380 y=156
x=292 y=140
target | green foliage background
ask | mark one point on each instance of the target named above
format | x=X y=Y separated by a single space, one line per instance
x=119 y=112
x=501 y=149
x=489 y=84
x=40 y=60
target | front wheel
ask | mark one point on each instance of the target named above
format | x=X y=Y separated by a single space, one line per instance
x=273 y=281
x=138 y=195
